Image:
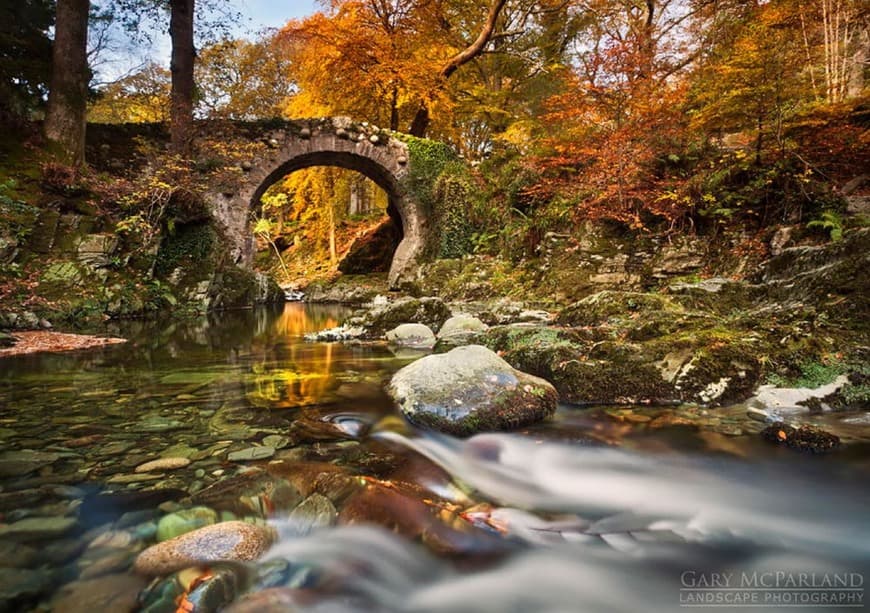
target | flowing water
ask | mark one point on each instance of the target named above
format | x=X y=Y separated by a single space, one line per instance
x=602 y=509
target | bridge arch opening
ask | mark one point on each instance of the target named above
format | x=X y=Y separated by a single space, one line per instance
x=355 y=225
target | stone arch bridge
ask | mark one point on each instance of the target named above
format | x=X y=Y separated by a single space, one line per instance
x=288 y=146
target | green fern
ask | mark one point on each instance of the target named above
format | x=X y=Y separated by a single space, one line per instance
x=831 y=222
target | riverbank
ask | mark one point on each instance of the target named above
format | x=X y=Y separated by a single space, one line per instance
x=798 y=319
x=53 y=342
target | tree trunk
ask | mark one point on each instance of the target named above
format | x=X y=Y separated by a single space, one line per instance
x=181 y=66
x=856 y=81
x=420 y=124
x=394 y=110
x=67 y=100
x=333 y=256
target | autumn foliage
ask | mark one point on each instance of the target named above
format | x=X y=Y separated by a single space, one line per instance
x=675 y=115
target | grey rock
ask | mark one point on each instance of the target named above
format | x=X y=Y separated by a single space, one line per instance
x=758 y=414
x=468 y=390
x=38 y=528
x=226 y=541
x=251 y=453
x=316 y=511
x=17 y=583
x=411 y=335
x=20 y=463
x=95 y=250
x=461 y=325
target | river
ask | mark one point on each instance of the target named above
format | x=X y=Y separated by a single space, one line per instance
x=598 y=509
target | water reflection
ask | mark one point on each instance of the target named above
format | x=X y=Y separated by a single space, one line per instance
x=288 y=372
x=202 y=380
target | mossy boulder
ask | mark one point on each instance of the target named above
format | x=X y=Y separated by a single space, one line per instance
x=710 y=366
x=347 y=289
x=603 y=306
x=832 y=276
x=461 y=329
x=235 y=287
x=429 y=311
x=583 y=368
x=469 y=390
x=804 y=438
x=590 y=366
x=462 y=324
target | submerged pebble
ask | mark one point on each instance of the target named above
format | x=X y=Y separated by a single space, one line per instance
x=162 y=464
x=184 y=521
x=231 y=540
x=251 y=453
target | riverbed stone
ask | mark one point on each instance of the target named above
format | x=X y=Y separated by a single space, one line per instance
x=470 y=389
x=251 y=454
x=99 y=562
x=17 y=555
x=252 y=491
x=162 y=464
x=276 y=441
x=429 y=311
x=184 y=521
x=116 y=592
x=19 y=463
x=316 y=511
x=21 y=585
x=226 y=541
x=38 y=528
x=411 y=335
x=462 y=324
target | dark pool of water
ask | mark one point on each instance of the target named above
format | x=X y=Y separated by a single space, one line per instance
x=598 y=509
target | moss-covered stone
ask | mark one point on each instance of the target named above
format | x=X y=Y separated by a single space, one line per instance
x=583 y=368
x=234 y=287
x=803 y=438
x=191 y=246
x=589 y=366
x=710 y=366
x=429 y=311
x=469 y=390
x=602 y=306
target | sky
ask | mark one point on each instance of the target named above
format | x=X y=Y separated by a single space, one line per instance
x=257 y=15
x=273 y=13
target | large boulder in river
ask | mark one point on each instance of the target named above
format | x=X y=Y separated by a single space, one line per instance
x=468 y=390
